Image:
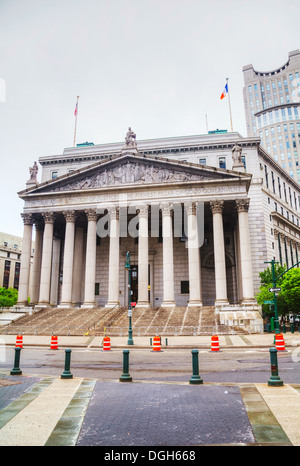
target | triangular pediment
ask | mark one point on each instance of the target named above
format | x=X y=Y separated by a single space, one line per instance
x=134 y=169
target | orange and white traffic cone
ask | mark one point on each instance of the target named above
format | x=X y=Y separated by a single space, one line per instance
x=19 y=341
x=279 y=342
x=106 y=344
x=215 y=343
x=54 y=342
x=156 y=344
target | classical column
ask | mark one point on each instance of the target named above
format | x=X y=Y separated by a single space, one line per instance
x=245 y=251
x=219 y=253
x=44 y=298
x=66 y=296
x=168 y=263
x=143 y=300
x=25 y=260
x=55 y=271
x=36 y=266
x=194 y=256
x=114 y=258
x=90 y=261
x=78 y=266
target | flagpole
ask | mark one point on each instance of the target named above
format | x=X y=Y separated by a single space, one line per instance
x=76 y=113
x=229 y=106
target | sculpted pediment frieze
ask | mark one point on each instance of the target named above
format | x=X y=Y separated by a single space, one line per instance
x=133 y=170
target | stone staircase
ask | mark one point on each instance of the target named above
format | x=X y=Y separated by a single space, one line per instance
x=114 y=321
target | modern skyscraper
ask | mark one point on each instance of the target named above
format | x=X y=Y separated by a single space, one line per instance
x=272 y=108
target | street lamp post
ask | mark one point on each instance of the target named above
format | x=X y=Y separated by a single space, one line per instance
x=276 y=320
x=128 y=267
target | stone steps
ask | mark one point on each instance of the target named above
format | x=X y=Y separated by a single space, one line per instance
x=97 y=321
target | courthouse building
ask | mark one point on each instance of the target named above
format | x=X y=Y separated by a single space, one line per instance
x=199 y=216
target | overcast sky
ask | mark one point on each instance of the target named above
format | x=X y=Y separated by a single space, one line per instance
x=158 y=66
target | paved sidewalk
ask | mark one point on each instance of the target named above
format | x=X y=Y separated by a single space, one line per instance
x=47 y=410
x=264 y=340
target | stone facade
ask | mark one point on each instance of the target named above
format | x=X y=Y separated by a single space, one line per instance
x=137 y=194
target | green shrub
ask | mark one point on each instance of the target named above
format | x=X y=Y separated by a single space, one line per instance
x=8 y=297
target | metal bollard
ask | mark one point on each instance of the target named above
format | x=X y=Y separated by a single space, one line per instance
x=275 y=380
x=125 y=377
x=195 y=379
x=292 y=328
x=16 y=369
x=67 y=374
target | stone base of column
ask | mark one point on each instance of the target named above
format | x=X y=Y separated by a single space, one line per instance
x=112 y=304
x=221 y=302
x=65 y=305
x=87 y=305
x=248 y=302
x=142 y=304
x=168 y=304
x=42 y=304
x=194 y=303
x=22 y=304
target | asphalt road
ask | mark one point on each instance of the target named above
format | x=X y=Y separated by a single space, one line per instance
x=174 y=365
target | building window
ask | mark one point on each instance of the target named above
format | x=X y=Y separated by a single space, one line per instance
x=202 y=161
x=266 y=176
x=273 y=182
x=292 y=255
x=222 y=162
x=54 y=175
x=185 y=287
x=97 y=289
x=17 y=275
x=6 y=274
x=286 y=253
x=279 y=249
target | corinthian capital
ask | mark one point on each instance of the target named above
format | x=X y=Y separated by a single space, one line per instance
x=166 y=209
x=216 y=207
x=114 y=213
x=242 y=205
x=27 y=219
x=48 y=217
x=143 y=211
x=190 y=208
x=70 y=215
x=91 y=215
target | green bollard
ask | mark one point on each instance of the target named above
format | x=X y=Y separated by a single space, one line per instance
x=275 y=380
x=195 y=379
x=16 y=369
x=284 y=328
x=67 y=374
x=272 y=324
x=292 y=328
x=125 y=377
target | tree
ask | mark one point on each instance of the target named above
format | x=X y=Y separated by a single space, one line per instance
x=290 y=289
x=266 y=281
x=8 y=297
x=266 y=277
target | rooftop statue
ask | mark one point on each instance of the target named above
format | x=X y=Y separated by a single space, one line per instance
x=130 y=140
